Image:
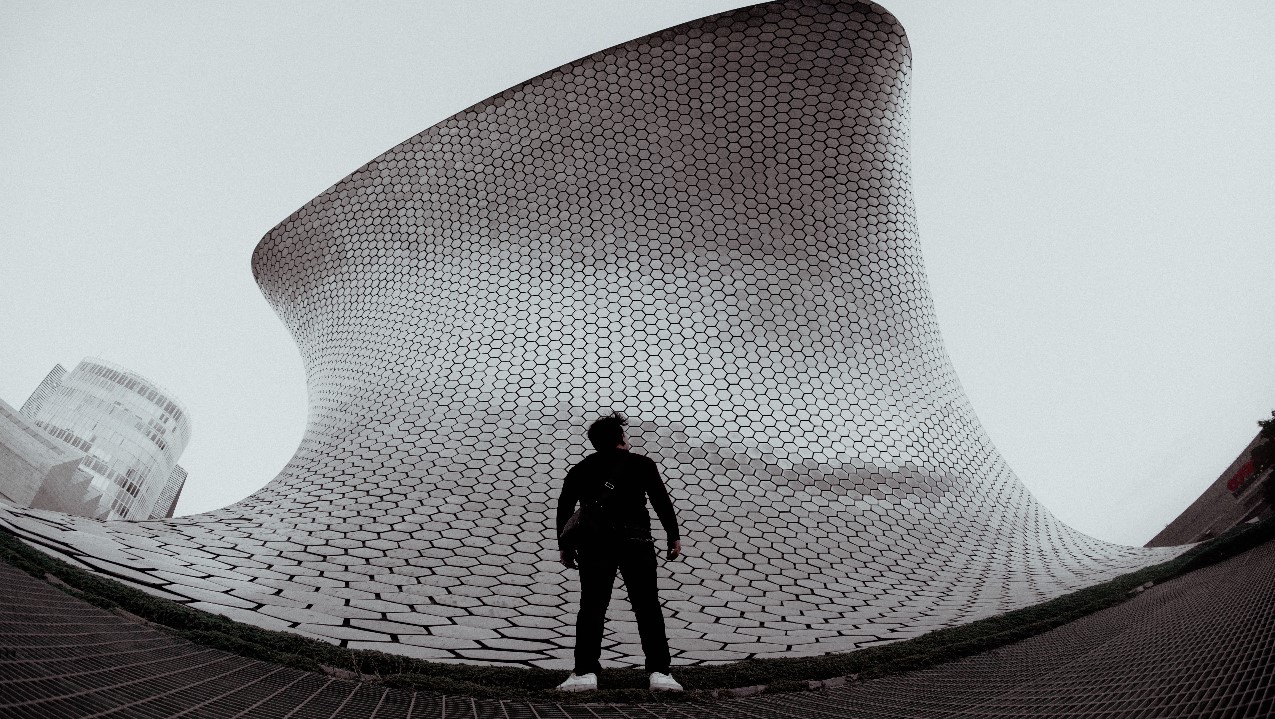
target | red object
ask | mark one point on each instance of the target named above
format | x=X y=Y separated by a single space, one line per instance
x=1236 y=483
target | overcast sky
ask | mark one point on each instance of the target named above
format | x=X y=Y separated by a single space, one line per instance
x=1094 y=186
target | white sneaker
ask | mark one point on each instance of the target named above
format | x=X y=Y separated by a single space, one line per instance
x=664 y=683
x=583 y=683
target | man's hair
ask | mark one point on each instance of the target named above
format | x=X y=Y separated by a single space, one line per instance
x=608 y=432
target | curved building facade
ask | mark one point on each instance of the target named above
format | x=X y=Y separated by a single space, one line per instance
x=130 y=430
x=710 y=228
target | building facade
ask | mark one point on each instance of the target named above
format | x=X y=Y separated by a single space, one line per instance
x=130 y=431
x=1238 y=495
x=166 y=503
x=40 y=472
x=710 y=228
x=36 y=401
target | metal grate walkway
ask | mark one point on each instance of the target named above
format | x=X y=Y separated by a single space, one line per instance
x=1202 y=645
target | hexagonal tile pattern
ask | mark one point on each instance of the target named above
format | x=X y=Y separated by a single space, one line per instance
x=711 y=229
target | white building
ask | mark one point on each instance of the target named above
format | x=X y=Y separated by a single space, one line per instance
x=41 y=472
x=166 y=503
x=32 y=406
x=131 y=431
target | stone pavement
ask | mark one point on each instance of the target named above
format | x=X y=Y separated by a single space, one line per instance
x=1202 y=645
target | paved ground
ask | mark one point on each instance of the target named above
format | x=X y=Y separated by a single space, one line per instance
x=1199 y=646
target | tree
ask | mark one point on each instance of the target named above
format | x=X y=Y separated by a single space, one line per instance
x=1263 y=456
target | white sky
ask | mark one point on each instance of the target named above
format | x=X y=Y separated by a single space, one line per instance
x=1094 y=184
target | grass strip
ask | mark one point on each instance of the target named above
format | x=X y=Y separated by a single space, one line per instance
x=621 y=685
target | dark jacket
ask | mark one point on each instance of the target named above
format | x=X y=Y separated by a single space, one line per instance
x=622 y=507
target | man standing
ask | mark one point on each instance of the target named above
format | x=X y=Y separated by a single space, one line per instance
x=612 y=486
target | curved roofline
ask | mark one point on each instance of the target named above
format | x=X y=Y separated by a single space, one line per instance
x=168 y=395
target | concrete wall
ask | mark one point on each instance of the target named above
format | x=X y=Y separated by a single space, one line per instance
x=39 y=471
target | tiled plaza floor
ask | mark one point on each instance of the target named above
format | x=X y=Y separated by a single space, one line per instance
x=1202 y=645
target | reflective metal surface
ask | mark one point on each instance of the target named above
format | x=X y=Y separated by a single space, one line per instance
x=710 y=228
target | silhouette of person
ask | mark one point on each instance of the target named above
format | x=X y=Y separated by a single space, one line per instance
x=612 y=487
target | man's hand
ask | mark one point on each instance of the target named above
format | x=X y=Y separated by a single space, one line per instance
x=568 y=558
x=674 y=550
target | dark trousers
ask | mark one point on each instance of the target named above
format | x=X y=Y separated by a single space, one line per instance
x=635 y=561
